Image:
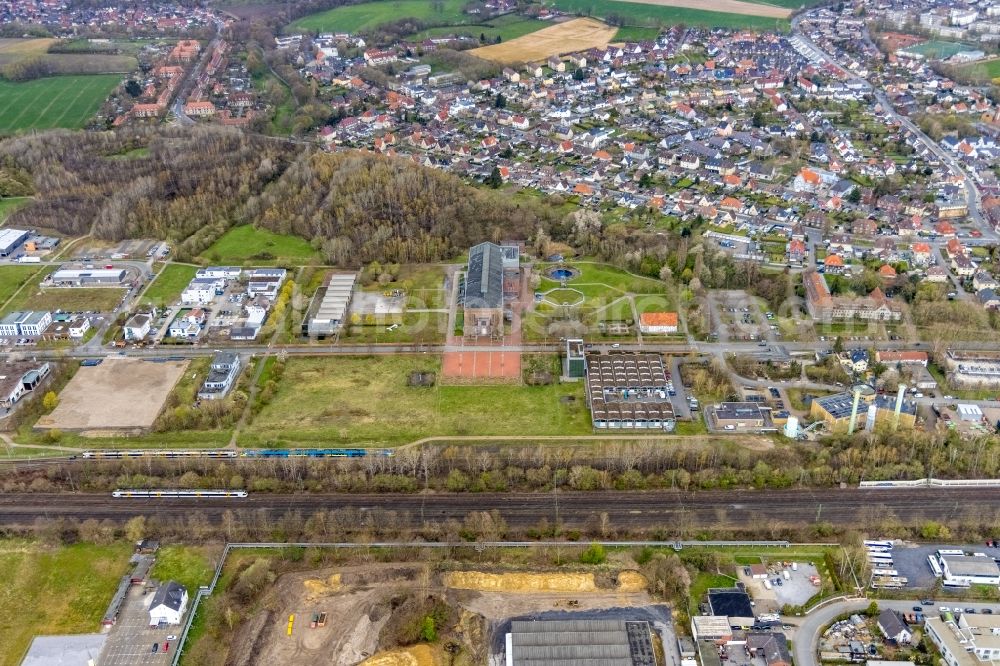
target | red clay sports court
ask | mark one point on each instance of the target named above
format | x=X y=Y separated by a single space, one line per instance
x=481 y=365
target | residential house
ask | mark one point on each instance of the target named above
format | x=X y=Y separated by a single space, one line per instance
x=137 y=327
x=658 y=323
x=168 y=605
x=222 y=375
x=893 y=627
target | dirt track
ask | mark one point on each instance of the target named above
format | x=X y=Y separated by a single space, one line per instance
x=725 y=6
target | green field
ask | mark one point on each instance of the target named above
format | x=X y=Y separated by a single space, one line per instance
x=366 y=401
x=191 y=566
x=987 y=69
x=8 y=206
x=59 y=101
x=168 y=285
x=359 y=18
x=246 y=244
x=632 y=33
x=12 y=277
x=60 y=590
x=72 y=299
x=636 y=14
x=505 y=27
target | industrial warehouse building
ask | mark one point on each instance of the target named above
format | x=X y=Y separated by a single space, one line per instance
x=629 y=391
x=88 y=277
x=331 y=310
x=579 y=642
x=872 y=409
x=11 y=239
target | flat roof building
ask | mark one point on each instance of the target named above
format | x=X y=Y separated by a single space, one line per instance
x=711 y=628
x=11 y=239
x=579 y=643
x=332 y=309
x=731 y=602
x=89 y=276
x=972 y=640
x=629 y=391
x=72 y=650
x=740 y=416
x=970 y=570
x=836 y=409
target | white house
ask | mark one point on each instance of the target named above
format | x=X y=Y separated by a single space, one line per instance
x=202 y=290
x=168 y=605
x=137 y=327
x=217 y=272
x=79 y=327
x=27 y=322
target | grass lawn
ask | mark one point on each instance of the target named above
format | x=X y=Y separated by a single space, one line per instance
x=58 y=101
x=638 y=14
x=369 y=15
x=366 y=401
x=600 y=284
x=423 y=284
x=505 y=27
x=72 y=299
x=424 y=327
x=989 y=69
x=12 y=277
x=8 y=206
x=705 y=580
x=168 y=285
x=62 y=590
x=245 y=244
x=191 y=566
x=632 y=33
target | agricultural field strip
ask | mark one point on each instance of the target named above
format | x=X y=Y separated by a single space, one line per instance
x=724 y=6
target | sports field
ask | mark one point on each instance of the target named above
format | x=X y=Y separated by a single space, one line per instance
x=366 y=401
x=935 y=49
x=576 y=35
x=653 y=15
x=259 y=246
x=369 y=15
x=54 y=590
x=727 y=6
x=59 y=101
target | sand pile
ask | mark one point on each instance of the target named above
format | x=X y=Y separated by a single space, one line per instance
x=418 y=655
x=631 y=581
x=521 y=582
x=316 y=588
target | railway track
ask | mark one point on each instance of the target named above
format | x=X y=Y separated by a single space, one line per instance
x=633 y=510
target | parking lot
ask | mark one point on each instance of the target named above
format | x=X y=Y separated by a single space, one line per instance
x=797 y=589
x=131 y=640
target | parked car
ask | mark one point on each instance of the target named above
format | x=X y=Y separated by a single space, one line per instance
x=156 y=647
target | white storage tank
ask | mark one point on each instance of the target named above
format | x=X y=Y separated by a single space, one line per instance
x=792 y=427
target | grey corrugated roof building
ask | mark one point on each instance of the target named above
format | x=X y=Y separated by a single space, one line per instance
x=484 y=281
x=579 y=643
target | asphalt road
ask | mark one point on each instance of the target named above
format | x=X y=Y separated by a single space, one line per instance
x=808 y=629
x=633 y=510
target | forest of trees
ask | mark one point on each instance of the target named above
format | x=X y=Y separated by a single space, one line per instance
x=195 y=184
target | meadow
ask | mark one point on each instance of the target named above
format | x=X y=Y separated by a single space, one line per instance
x=983 y=70
x=370 y=15
x=365 y=401
x=505 y=28
x=58 y=101
x=646 y=15
x=246 y=244
x=8 y=206
x=12 y=277
x=168 y=285
x=54 y=590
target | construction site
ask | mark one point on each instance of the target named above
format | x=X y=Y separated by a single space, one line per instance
x=413 y=615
